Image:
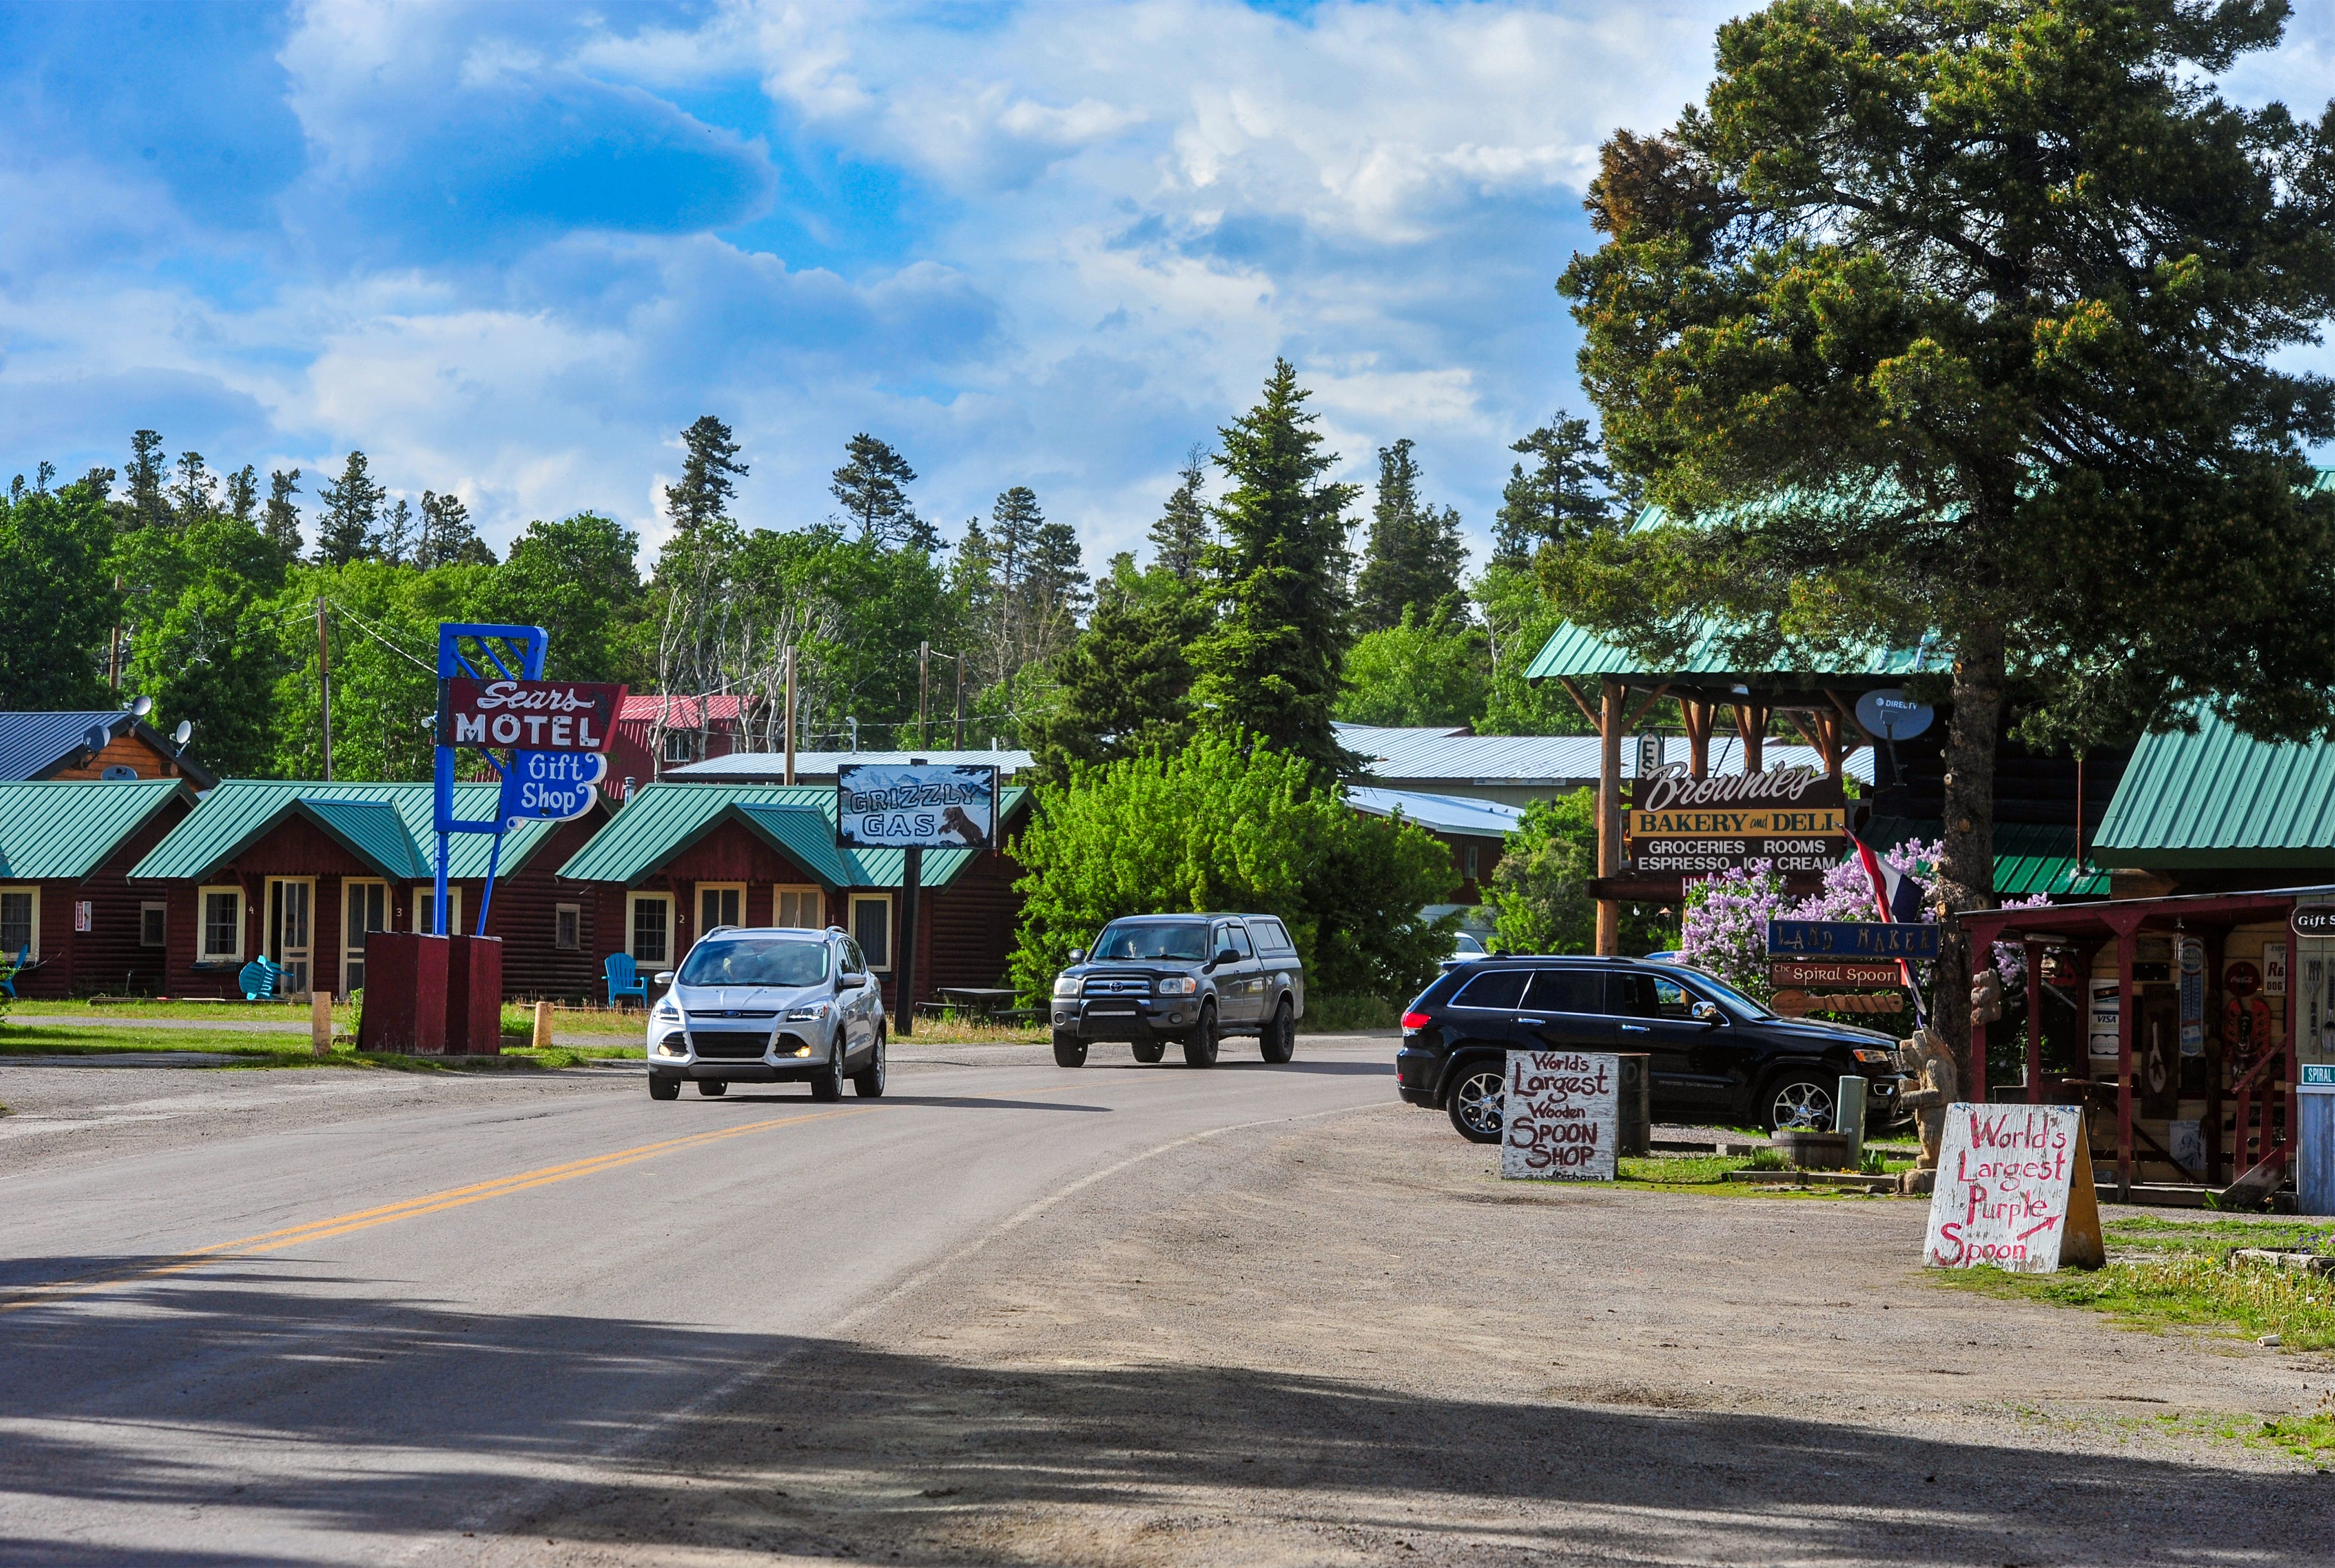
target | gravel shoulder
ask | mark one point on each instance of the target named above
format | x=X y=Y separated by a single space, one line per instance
x=1352 y=1343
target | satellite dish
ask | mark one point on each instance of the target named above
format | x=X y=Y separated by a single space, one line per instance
x=141 y=706
x=1887 y=715
x=118 y=774
x=95 y=736
x=179 y=736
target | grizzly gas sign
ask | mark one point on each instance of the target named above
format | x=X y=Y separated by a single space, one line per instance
x=531 y=715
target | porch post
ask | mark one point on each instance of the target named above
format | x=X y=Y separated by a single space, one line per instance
x=1609 y=801
x=1751 y=723
x=2034 y=1023
x=2127 y=940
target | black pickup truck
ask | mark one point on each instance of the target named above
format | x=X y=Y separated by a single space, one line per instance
x=1190 y=978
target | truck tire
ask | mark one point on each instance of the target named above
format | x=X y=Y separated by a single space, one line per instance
x=1201 y=1045
x=1279 y=1039
x=1147 y=1051
x=1070 y=1050
x=663 y=1085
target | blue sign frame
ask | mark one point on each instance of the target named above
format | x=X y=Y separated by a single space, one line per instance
x=523 y=646
x=1851 y=939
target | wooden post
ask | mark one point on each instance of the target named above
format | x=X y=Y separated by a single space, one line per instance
x=325 y=686
x=2127 y=941
x=790 y=716
x=904 y=961
x=1609 y=804
x=1697 y=716
x=1751 y=724
x=542 y=1040
x=960 y=702
x=2035 y=1023
x=320 y=1021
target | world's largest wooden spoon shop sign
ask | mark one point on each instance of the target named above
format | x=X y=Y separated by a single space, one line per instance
x=1560 y=1115
x=1674 y=825
x=2014 y=1191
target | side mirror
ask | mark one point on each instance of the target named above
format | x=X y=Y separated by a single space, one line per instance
x=1078 y=955
x=1706 y=1012
x=663 y=977
x=1226 y=956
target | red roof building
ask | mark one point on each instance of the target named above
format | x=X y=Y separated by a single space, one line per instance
x=657 y=733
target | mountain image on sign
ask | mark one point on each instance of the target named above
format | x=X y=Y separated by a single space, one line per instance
x=892 y=805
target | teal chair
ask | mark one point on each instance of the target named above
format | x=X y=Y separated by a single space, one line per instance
x=624 y=979
x=259 y=979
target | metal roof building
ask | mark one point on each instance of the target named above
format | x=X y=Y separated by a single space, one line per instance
x=43 y=745
x=2219 y=799
x=819 y=767
x=1518 y=769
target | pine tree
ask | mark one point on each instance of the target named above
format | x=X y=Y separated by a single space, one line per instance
x=1126 y=681
x=195 y=496
x=707 y=475
x=1414 y=555
x=447 y=536
x=396 y=535
x=243 y=493
x=1271 y=665
x=1181 y=538
x=281 y=526
x=147 y=507
x=869 y=486
x=1568 y=494
x=344 y=532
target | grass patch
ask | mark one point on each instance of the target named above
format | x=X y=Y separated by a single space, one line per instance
x=54 y=1039
x=1348 y=1014
x=2174 y=1274
x=2310 y=1436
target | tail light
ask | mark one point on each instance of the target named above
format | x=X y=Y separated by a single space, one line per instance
x=1412 y=1022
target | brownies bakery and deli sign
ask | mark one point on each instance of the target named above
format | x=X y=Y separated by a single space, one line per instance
x=1676 y=826
x=530 y=715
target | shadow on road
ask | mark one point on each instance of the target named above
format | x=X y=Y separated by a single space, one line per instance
x=387 y=1416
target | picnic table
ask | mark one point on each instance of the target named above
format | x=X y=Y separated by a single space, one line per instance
x=993 y=1002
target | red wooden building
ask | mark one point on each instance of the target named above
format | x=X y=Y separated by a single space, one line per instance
x=67 y=909
x=300 y=872
x=680 y=859
x=657 y=733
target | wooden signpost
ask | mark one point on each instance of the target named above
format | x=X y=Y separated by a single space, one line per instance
x=2015 y=1192
x=1561 y=1116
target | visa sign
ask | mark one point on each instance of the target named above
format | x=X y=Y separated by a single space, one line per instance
x=549 y=786
x=534 y=715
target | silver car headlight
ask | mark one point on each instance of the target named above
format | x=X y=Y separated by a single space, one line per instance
x=811 y=1015
x=1066 y=985
x=1178 y=985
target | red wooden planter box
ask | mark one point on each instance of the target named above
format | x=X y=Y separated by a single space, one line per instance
x=405 y=992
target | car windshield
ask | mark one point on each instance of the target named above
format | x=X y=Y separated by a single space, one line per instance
x=1727 y=993
x=764 y=961
x=1185 y=941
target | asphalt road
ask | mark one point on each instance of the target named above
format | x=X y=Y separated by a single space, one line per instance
x=307 y=1317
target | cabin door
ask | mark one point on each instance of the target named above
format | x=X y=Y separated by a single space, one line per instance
x=291 y=919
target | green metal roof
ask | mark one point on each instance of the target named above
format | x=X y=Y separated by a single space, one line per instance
x=2030 y=857
x=239 y=811
x=1573 y=653
x=664 y=818
x=2220 y=798
x=63 y=828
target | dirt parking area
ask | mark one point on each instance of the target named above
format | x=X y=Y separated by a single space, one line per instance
x=1347 y=1342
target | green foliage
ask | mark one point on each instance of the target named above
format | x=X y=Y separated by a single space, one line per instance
x=1411 y=565
x=1539 y=892
x=1225 y=824
x=871 y=487
x=576 y=579
x=1568 y=494
x=210 y=649
x=1125 y=685
x=1270 y=666
x=345 y=531
x=706 y=475
x=1518 y=619
x=383 y=630
x=57 y=600
x=1181 y=538
x=1414 y=674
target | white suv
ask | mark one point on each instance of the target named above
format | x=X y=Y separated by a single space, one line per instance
x=768 y=1005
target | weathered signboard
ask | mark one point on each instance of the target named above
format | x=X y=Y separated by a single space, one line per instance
x=1675 y=825
x=1841 y=974
x=1851 y=939
x=2014 y=1191
x=1800 y=1003
x=533 y=715
x=895 y=805
x=1561 y=1116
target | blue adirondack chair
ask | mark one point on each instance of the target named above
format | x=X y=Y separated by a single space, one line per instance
x=9 y=972
x=624 y=979
x=258 y=980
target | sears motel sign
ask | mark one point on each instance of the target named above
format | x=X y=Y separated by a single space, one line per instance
x=529 y=715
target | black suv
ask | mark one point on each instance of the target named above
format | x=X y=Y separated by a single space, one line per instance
x=1714 y=1054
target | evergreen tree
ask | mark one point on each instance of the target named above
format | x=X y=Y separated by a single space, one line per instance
x=147 y=507
x=195 y=496
x=1126 y=681
x=1181 y=538
x=1270 y=667
x=870 y=486
x=344 y=532
x=1568 y=494
x=396 y=535
x=447 y=536
x=578 y=579
x=282 y=523
x=243 y=493
x=708 y=475
x=1411 y=565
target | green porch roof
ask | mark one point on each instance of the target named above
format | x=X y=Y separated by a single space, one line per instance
x=61 y=829
x=1573 y=653
x=2030 y=857
x=664 y=818
x=2220 y=799
x=359 y=817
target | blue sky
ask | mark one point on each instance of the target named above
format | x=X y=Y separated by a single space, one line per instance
x=510 y=250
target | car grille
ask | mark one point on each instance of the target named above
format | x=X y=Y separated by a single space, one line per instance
x=730 y=1045
x=1117 y=988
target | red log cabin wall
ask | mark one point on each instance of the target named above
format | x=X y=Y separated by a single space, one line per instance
x=109 y=956
x=1467 y=889
x=524 y=913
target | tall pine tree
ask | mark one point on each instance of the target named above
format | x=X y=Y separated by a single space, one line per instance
x=243 y=493
x=707 y=476
x=345 y=530
x=447 y=536
x=871 y=485
x=281 y=524
x=1413 y=559
x=149 y=508
x=1181 y=538
x=1271 y=665
x=1566 y=495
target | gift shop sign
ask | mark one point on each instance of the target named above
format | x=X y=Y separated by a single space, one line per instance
x=1674 y=824
x=2014 y=1192
x=531 y=715
x=1560 y=1115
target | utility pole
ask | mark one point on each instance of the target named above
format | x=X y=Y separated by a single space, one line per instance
x=790 y=715
x=924 y=689
x=324 y=684
x=960 y=702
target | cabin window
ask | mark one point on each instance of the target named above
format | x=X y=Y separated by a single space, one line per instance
x=680 y=746
x=1473 y=852
x=20 y=924
x=153 y=924
x=425 y=908
x=720 y=903
x=871 y=928
x=567 y=926
x=803 y=907
x=220 y=935
x=651 y=925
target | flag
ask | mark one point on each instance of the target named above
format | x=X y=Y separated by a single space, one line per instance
x=1899 y=898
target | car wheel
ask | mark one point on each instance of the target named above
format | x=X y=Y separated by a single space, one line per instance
x=826 y=1083
x=1070 y=1050
x=1799 y=1101
x=1149 y=1050
x=867 y=1083
x=1475 y=1101
x=663 y=1085
x=1280 y=1037
x=1200 y=1046
x=712 y=1088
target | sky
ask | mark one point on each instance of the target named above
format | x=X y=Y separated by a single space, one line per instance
x=510 y=250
